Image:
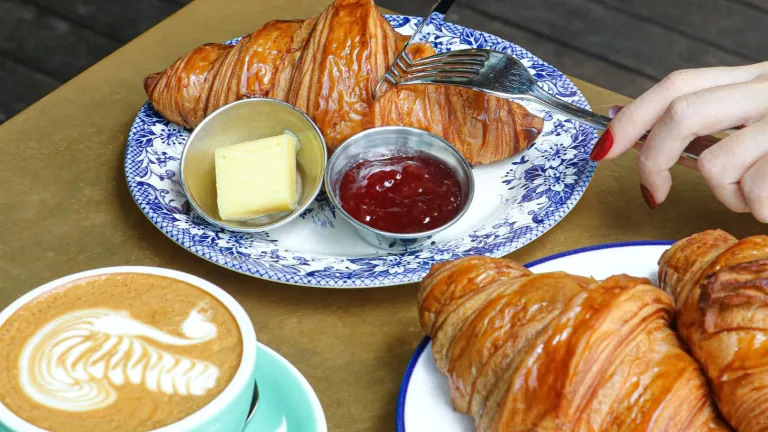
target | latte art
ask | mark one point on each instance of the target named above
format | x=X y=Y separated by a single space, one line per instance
x=74 y=362
x=117 y=352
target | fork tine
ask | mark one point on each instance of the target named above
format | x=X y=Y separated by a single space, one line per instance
x=441 y=64
x=475 y=52
x=437 y=59
x=405 y=56
x=441 y=74
x=460 y=64
x=438 y=79
x=458 y=68
x=469 y=55
x=391 y=79
x=394 y=75
x=398 y=64
x=457 y=71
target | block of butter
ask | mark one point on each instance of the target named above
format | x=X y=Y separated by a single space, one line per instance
x=256 y=178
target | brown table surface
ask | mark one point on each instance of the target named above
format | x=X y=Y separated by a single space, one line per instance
x=65 y=208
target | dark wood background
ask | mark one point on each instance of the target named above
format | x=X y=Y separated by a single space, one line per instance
x=623 y=45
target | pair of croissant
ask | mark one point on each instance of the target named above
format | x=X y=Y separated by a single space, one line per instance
x=328 y=66
x=557 y=352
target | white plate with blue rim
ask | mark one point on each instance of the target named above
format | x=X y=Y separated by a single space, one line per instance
x=516 y=200
x=424 y=401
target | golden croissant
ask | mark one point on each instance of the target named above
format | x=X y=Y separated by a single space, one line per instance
x=720 y=286
x=556 y=352
x=328 y=66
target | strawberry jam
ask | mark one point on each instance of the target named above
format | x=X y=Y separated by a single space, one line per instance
x=401 y=194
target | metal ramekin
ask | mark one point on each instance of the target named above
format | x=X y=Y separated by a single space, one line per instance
x=382 y=142
x=242 y=121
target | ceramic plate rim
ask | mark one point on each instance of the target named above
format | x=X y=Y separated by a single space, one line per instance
x=403 y=392
x=383 y=280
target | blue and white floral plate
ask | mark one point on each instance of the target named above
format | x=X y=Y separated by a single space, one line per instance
x=516 y=200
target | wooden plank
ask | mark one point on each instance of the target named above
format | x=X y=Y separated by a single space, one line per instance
x=570 y=60
x=121 y=19
x=47 y=43
x=20 y=87
x=731 y=26
x=606 y=33
x=759 y=5
x=408 y=7
x=567 y=60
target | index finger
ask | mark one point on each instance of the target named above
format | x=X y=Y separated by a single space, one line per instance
x=637 y=118
x=696 y=114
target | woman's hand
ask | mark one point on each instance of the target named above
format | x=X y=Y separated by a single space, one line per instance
x=696 y=102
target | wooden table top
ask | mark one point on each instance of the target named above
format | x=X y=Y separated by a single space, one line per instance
x=65 y=208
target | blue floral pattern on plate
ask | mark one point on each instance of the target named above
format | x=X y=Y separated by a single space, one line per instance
x=540 y=187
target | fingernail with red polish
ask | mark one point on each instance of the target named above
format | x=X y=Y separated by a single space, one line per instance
x=648 y=197
x=602 y=146
x=615 y=110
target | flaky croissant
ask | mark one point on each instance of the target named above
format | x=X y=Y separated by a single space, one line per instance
x=720 y=286
x=328 y=67
x=556 y=352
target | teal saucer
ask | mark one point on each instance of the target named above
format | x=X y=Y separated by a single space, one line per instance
x=286 y=400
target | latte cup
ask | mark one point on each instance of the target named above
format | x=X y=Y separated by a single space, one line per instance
x=227 y=411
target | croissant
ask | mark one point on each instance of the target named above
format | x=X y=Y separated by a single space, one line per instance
x=720 y=286
x=328 y=67
x=556 y=352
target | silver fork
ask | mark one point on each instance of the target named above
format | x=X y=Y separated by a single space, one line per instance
x=439 y=9
x=502 y=75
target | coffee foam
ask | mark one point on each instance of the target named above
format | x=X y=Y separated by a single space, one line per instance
x=73 y=362
x=117 y=352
